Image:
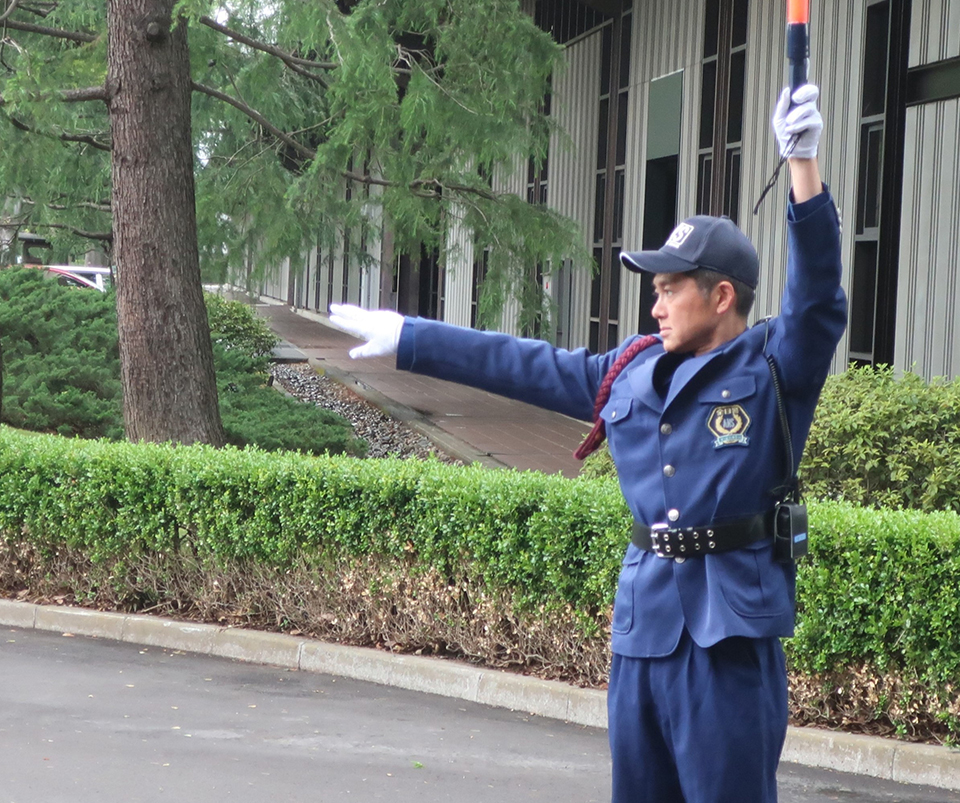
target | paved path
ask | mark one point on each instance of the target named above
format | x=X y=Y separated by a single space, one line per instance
x=466 y=422
x=96 y=721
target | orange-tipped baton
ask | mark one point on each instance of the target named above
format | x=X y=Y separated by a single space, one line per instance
x=798 y=41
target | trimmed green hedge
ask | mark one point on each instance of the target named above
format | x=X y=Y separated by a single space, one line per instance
x=500 y=553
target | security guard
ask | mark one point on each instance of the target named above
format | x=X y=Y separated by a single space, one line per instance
x=697 y=421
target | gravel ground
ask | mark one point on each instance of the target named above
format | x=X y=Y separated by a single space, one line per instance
x=385 y=436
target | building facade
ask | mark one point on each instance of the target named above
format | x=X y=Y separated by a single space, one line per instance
x=665 y=105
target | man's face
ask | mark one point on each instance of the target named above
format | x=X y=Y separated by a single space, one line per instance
x=689 y=321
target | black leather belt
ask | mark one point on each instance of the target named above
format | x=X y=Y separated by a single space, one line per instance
x=674 y=542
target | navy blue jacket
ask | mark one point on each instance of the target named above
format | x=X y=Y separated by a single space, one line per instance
x=709 y=450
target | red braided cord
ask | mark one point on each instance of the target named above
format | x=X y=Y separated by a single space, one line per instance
x=598 y=434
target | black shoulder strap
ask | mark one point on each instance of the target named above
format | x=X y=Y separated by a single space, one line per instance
x=791 y=485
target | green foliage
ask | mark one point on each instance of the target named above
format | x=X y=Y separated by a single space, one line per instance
x=882 y=591
x=62 y=370
x=886 y=441
x=599 y=464
x=253 y=413
x=420 y=101
x=61 y=359
x=118 y=501
x=235 y=326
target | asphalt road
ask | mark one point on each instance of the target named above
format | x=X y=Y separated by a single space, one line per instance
x=96 y=721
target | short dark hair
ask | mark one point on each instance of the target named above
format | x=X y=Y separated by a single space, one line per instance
x=707 y=279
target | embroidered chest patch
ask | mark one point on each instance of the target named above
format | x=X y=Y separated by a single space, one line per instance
x=729 y=424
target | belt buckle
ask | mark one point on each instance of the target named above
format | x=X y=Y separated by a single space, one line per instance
x=658 y=531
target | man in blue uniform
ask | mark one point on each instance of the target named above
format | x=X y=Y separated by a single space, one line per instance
x=697 y=428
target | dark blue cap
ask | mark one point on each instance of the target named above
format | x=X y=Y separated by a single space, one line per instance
x=708 y=242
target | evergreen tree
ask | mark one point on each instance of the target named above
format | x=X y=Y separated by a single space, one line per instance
x=412 y=103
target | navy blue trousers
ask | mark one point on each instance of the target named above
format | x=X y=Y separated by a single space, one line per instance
x=702 y=725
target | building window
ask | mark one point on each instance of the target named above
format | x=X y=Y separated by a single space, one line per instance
x=723 y=71
x=886 y=90
x=610 y=183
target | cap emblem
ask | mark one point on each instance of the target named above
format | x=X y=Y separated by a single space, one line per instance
x=679 y=236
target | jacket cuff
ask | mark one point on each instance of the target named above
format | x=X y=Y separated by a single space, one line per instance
x=406 y=348
x=797 y=212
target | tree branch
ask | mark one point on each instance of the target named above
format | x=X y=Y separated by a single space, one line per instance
x=100 y=236
x=82 y=95
x=10 y=9
x=63 y=136
x=81 y=205
x=295 y=63
x=73 y=36
x=254 y=115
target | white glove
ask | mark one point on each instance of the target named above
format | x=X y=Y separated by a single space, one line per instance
x=380 y=328
x=803 y=121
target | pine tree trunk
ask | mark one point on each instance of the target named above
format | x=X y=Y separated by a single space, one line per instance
x=169 y=385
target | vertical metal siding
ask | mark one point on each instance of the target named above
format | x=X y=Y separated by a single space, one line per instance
x=573 y=156
x=667 y=37
x=927 y=339
x=934 y=31
x=458 y=273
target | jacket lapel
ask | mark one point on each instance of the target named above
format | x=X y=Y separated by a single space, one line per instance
x=641 y=383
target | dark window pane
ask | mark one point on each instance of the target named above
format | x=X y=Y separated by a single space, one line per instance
x=622 y=129
x=531 y=170
x=595 y=284
x=619 y=188
x=707 y=103
x=731 y=200
x=660 y=201
x=875 y=59
x=739 y=23
x=863 y=298
x=625 y=52
x=735 y=101
x=711 y=28
x=605 y=61
x=871 y=172
x=603 y=128
x=545 y=168
x=594 y=337
x=615 y=270
x=704 y=188
x=543 y=193
x=598 y=205
x=612 y=336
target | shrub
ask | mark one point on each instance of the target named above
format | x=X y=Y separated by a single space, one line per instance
x=887 y=442
x=235 y=326
x=61 y=358
x=61 y=370
x=598 y=464
x=254 y=413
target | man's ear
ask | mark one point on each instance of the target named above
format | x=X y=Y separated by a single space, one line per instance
x=725 y=296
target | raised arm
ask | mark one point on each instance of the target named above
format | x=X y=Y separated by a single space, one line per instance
x=813 y=312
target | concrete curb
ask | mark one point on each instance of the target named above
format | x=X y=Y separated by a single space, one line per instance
x=886 y=759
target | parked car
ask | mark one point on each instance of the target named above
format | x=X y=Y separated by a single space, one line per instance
x=79 y=276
